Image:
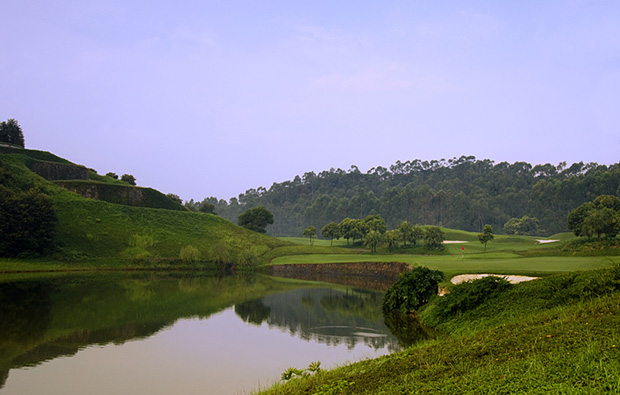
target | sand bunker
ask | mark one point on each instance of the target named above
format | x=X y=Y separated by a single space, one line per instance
x=512 y=279
x=546 y=241
x=454 y=242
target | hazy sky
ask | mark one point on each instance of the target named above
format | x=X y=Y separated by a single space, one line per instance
x=211 y=98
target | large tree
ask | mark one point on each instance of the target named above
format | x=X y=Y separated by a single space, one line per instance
x=256 y=219
x=391 y=239
x=373 y=238
x=406 y=231
x=599 y=217
x=331 y=231
x=433 y=238
x=11 y=133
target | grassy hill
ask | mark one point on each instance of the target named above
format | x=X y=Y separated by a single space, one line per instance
x=104 y=232
x=554 y=335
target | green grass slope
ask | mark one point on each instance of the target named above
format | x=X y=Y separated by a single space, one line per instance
x=558 y=335
x=98 y=230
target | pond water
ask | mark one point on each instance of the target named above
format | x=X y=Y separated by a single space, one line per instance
x=180 y=333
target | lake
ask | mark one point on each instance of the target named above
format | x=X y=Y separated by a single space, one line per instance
x=163 y=333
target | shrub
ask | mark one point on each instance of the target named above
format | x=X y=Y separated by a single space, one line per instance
x=143 y=242
x=412 y=290
x=468 y=295
x=190 y=253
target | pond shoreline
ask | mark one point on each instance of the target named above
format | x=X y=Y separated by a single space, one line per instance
x=371 y=275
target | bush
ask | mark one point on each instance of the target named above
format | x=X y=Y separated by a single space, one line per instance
x=467 y=296
x=412 y=290
x=190 y=253
x=28 y=222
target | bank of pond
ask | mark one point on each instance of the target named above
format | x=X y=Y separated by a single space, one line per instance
x=171 y=332
x=203 y=332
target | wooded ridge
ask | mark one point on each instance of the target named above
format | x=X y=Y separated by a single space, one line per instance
x=461 y=193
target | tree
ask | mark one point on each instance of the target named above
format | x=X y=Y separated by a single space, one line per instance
x=406 y=231
x=601 y=221
x=359 y=230
x=206 y=207
x=331 y=231
x=310 y=232
x=11 y=133
x=433 y=238
x=346 y=227
x=416 y=234
x=128 y=178
x=373 y=238
x=376 y=223
x=412 y=290
x=28 y=222
x=391 y=239
x=486 y=235
x=600 y=217
x=113 y=175
x=175 y=197
x=522 y=226
x=256 y=219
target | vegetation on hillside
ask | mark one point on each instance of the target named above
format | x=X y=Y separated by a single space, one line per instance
x=460 y=193
x=93 y=229
x=553 y=335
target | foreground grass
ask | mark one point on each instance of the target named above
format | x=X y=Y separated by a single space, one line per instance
x=555 y=335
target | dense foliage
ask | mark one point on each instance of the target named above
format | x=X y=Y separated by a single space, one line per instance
x=412 y=290
x=460 y=193
x=28 y=218
x=256 y=219
x=599 y=217
x=11 y=133
x=464 y=297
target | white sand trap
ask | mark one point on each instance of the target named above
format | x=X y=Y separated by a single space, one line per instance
x=454 y=242
x=512 y=279
x=546 y=241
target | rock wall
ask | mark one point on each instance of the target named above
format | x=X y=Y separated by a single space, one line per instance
x=121 y=194
x=53 y=171
x=370 y=275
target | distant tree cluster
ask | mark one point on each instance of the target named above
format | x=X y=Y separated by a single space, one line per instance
x=11 y=133
x=372 y=230
x=600 y=217
x=460 y=193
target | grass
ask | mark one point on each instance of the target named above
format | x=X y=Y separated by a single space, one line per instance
x=555 y=335
x=317 y=242
x=504 y=255
x=97 y=234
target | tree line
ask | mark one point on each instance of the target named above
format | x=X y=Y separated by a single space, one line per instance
x=460 y=193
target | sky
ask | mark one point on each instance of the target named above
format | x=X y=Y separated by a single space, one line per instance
x=212 y=98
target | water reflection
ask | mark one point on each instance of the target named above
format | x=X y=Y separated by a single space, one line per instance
x=326 y=315
x=47 y=318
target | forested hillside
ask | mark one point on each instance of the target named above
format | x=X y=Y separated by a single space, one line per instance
x=462 y=193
